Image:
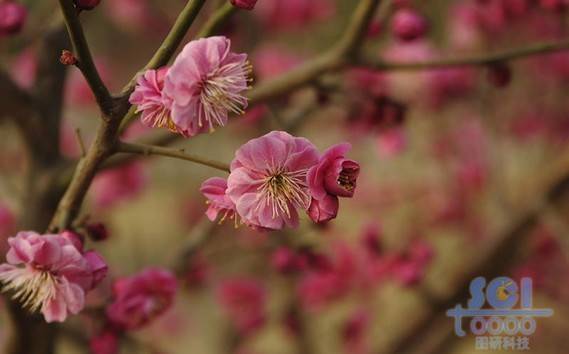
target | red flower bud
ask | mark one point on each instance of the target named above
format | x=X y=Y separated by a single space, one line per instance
x=12 y=17
x=408 y=25
x=244 y=4
x=87 y=4
x=67 y=58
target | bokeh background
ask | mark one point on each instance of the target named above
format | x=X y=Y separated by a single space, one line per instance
x=458 y=169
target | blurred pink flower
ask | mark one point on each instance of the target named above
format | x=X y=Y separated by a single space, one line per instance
x=407 y=24
x=150 y=99
x=51 y=273
x=354 y=332
x=293 y=14
x=134 y=15
x=391 y=142
x=7 y=221
x=141 y=298
x=214 y=189
x=106 y=342
x=287 y=261
x=244 y=302
x=268 y=179
x=23 y=68
x=270 y=61
x=205 y=83
x=13 y=16
x=367 y=81
x=77 y=90
x=119 y=184
x=334 y=176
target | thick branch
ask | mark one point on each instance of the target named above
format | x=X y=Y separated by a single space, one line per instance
x=85 y=60
x=169 y=152
x=486 y=59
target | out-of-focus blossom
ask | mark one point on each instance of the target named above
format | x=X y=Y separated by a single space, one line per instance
x=271 y=61
x=371 y=240
x=141 y=298
x=149 y=98
x=119 y=184
x=205 y=84
x=244 y=4
x=23 y=68
x=106 y=342
x=287 y=261
x=408 y=24
x=391 y=142
x=334 y=176
x=86 y=4
x=13 y=16
x=554 y=5
x=268 y=179
x=244 y=302
x=446 y=84
x=133 y=15
x=51 y=273
x=214 y=189
x=368 y=81
x=77 y=90
x=293 y=14
x=464 y=31
x=7 y=221
x=375 y=114
x=354 y=333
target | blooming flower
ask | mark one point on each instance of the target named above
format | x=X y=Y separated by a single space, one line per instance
x=268 y=179
x=219 y=203
x=244 y=301
x=206 y=83
x=51 y=273
x=12 y=17
x=141 y=298
x=150 y=100
x=334 y=176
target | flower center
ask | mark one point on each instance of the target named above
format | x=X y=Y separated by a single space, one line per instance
x=347 y=179
x=32 y=287
x=221 y=93
x=282 y=189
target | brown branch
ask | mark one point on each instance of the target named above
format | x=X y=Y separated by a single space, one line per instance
x=485 y=59
x=494 y=259
x=171 y=42
x=107 y=134
x=85 y=60
x=148 y=150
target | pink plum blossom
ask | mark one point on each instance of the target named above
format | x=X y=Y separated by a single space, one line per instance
x=334 y=176
x=149 y=98
x=244 y=302
x=51 y=273
x=268 y=179
x=214 y=189
x=205 y=83
x=141 y=298
x=119 y=184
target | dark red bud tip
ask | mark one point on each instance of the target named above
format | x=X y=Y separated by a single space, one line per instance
x=67 y=58
x=97 y=231
x=244 y=4
x=86 y=4
x=499 y=74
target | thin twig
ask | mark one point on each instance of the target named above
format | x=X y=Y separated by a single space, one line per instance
x=171 y=42
x=80 y=142
x=85 y=60
x=486 y=59
x=169 y=152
